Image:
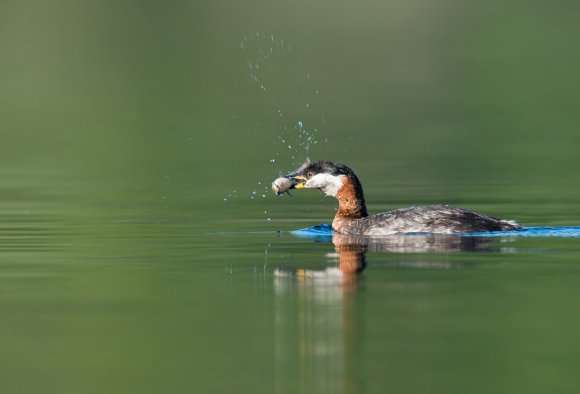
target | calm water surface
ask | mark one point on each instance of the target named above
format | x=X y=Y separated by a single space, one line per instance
x=129 y=289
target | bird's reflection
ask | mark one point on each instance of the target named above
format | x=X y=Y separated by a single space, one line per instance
x=316 y=309
x=351 y=250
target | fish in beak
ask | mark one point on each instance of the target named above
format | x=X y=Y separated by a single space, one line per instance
x=294 y=180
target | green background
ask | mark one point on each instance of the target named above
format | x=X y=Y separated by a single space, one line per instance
x=136 y=257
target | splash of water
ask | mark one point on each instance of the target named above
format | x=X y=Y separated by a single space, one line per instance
x=280 y=75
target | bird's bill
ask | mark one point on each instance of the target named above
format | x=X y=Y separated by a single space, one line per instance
x=301 y=180
x=298 y=176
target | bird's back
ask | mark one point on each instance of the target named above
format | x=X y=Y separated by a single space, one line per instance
x=440 y=219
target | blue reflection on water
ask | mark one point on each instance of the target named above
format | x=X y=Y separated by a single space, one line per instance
x=325 y=230
x=563 y=231
x=316 y=231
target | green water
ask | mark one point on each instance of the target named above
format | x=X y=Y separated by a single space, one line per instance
x=135 y=257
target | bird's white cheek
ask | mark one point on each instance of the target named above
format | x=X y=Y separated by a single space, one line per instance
x=328 y=184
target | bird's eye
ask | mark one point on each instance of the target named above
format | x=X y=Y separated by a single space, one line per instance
x=309 y=174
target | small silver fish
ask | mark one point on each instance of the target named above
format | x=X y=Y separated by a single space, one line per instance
x=283 y=185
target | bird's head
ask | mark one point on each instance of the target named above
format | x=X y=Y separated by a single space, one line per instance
x=326 y=176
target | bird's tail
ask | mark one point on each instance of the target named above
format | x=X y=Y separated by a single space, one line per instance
x=509 y=225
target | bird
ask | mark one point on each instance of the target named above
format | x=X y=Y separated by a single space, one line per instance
x=339 y=181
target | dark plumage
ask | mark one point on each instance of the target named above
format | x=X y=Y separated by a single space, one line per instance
x=339 y=181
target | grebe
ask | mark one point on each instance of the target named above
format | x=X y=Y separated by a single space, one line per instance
x=339 y=181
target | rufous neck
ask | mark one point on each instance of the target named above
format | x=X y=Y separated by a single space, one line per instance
x=351 y=200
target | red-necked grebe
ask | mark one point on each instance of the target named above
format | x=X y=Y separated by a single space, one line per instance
x=339 y=181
